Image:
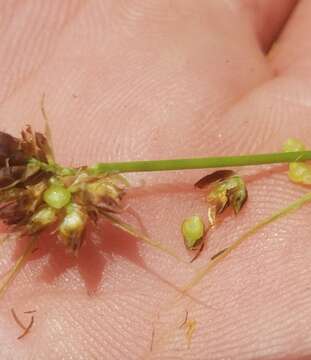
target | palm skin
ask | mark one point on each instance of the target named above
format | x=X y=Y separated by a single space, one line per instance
x=145 y=80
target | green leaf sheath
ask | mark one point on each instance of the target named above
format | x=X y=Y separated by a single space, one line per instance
x=200 y=163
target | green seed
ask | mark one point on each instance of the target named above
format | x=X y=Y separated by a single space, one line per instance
x=299 y=172
x=292 y=145
x=193 y=231
x=57 y=196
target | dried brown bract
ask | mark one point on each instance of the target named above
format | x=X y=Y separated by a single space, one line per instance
x=224 y=189
x=22 y=182
x=14 y=156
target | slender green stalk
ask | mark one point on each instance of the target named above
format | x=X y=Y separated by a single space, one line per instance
x=200 y=163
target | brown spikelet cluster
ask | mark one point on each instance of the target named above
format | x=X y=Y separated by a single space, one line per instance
x=21 y=182
x=35 y=192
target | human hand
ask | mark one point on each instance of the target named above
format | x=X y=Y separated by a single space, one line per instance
x=129 y=80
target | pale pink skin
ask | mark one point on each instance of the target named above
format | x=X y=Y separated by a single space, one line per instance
x=156 y=79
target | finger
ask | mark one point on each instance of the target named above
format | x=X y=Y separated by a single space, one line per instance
x=162 y=213
x=127 y=79
x=269 y=18
x=33 y=47
x=29 y=32
x=34 y=50
x=292 y=52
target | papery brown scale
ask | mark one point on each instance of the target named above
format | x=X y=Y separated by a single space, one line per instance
x=21 y=203
x=13 y=213
x=218 y=197
x=107 y=203
x=8 y=144
x=34 y=196
x=238 y=198
x=44 y=148
x=92 y=214
x=35 y=144
x=10 y=194
x=29 y=142
x=10 y=151
x=104 y=194
x=15 y=154
x=21 y=176
x=213 y=177
x=33 y=176
x=9 y=175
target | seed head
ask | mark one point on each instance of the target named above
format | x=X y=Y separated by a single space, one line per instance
x=36 y=192
x=193 y=231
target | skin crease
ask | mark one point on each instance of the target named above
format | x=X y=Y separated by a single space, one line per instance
x=145 y=80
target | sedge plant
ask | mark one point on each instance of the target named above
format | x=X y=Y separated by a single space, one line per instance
x=38 y=194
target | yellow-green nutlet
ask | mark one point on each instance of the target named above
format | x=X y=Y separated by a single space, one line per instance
x=299 y=172
x=193 y=230
x=57 y=196
x=292 y=145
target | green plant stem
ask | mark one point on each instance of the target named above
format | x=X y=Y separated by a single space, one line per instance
x=200 y=163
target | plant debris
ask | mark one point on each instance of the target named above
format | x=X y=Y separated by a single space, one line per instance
x=27 y=328
x=198 y=252
x=218 y=254
x=224 y=189
x=185 y=319
x=30 y=312
x=21 y=325
x=17 y=320
x=191 y=326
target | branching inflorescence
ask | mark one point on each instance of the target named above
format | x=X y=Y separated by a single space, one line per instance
x=36 y=193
